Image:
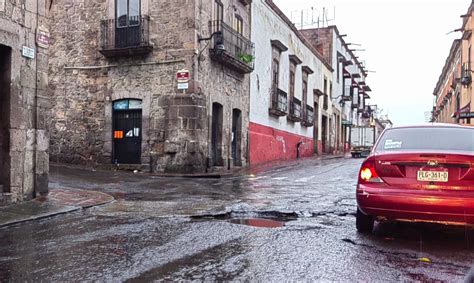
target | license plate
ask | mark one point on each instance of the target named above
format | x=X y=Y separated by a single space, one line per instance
x=432 y=176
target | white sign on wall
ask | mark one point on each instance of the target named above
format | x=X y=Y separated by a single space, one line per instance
x=28 y=52
x=183 y=86
x=2 y=5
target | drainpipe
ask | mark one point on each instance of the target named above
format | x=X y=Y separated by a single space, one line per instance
x=35 y=108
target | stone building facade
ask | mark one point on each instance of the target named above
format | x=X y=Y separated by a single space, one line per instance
x=163 y=85
x=24 y=101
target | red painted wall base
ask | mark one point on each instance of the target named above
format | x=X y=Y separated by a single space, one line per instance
x=267 y=144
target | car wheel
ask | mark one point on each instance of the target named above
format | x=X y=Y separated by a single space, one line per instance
x=364 y=223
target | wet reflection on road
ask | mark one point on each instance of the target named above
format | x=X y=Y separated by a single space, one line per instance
x=298 y=224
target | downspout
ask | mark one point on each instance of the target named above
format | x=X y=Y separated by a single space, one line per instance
x=35 y=107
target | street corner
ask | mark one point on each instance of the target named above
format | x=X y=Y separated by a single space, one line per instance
x=76 y=197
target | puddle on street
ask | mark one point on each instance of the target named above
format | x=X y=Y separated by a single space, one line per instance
x=258 y=222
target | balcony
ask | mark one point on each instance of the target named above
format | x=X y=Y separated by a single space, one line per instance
x=125 y=36
x=231 y=49
x=347 y=94
x=279 y=103
x=295 y=114
x=308 y=120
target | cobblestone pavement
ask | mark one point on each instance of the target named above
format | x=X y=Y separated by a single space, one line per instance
x=287 y=223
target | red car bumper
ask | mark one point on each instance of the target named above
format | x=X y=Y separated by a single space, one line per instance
x=445 y=206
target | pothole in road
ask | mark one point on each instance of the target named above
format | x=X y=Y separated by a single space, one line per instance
x=258 y=222
x=265 y=219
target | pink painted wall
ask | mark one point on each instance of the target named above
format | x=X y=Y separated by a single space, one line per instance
x=267 y=144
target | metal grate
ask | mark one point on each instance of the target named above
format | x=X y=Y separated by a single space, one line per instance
x=125 y=33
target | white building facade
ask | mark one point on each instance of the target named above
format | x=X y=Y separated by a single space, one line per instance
x=349 y=91
x=285 y=90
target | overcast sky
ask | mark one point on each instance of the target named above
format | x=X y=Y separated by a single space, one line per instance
x=405 y=42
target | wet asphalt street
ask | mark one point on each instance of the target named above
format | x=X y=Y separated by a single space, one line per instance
x=191 y=229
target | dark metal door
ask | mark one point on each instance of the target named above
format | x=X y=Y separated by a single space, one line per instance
x=127 y=133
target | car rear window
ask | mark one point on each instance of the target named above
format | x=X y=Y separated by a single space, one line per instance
x=429 y=138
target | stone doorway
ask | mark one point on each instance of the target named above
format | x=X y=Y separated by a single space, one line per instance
x=5 y=89
x=216 y=132
x=324 y=133
x=237 y=137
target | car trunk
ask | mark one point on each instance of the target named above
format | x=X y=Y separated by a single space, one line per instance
x=446 y=171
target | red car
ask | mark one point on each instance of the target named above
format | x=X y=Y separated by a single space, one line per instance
x=418 y=173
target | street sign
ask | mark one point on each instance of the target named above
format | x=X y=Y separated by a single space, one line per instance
x=28 y=52
x=183 y=86
x=42 y=37
x=182 y=76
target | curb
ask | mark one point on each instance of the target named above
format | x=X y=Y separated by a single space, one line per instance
x=15 y=214
x=64 y=210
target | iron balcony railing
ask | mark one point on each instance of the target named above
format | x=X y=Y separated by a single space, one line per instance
x=308 y=120
x=279 y=102
x=125 y=36
x=466 y=77
x=295 y=114
x=231 y=48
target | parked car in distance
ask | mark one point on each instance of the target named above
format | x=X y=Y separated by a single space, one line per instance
x=418 y=173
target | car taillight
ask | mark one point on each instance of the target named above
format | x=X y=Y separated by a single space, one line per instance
x=368 y=174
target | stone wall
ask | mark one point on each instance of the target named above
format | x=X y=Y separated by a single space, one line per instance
x=24 y=137
x=224 y=86
x=84 y=85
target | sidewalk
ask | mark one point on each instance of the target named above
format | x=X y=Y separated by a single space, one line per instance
x=59 y=201
x=224 y=173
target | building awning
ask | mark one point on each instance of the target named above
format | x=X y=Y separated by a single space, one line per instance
x=346 y=73
x=464 y=113
x=295 y=59
x=317 y=92
x=278 y=45
x=356 y=76
x=307 y=70
x=367 y=88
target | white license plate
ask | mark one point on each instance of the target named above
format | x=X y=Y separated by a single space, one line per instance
x=432 y=176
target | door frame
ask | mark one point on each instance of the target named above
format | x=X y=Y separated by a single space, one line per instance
x=135 y=110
